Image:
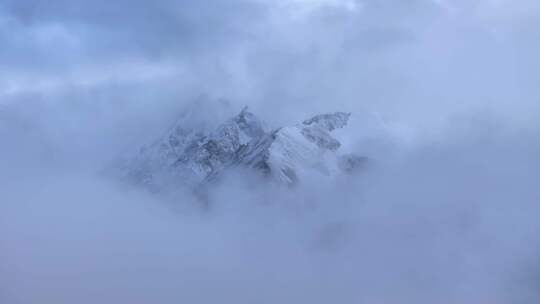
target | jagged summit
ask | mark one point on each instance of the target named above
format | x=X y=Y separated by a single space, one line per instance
x=329 y=122
x=187 y=156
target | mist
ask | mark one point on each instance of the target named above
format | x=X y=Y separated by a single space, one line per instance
x=444 y=102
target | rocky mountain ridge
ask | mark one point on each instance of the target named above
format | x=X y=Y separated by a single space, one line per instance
x=189 y=156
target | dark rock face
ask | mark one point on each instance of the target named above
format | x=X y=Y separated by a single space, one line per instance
x=321 y=138
x=329 y=122
x=189 y=157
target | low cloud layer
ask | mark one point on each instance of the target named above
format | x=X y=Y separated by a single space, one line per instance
x=446 y=223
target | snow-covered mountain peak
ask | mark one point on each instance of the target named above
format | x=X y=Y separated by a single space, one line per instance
x=187 y=156
x=329 y=122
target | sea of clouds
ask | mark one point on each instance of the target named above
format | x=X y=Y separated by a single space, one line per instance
x=444 y=98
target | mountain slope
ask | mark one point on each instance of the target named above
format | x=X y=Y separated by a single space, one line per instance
x=188 y=156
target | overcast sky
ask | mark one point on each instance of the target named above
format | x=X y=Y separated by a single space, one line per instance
x=419 y=60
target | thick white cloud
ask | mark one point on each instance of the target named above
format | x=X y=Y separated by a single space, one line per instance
x=444 y=96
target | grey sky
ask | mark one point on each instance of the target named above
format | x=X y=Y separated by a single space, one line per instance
x=439 y=57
